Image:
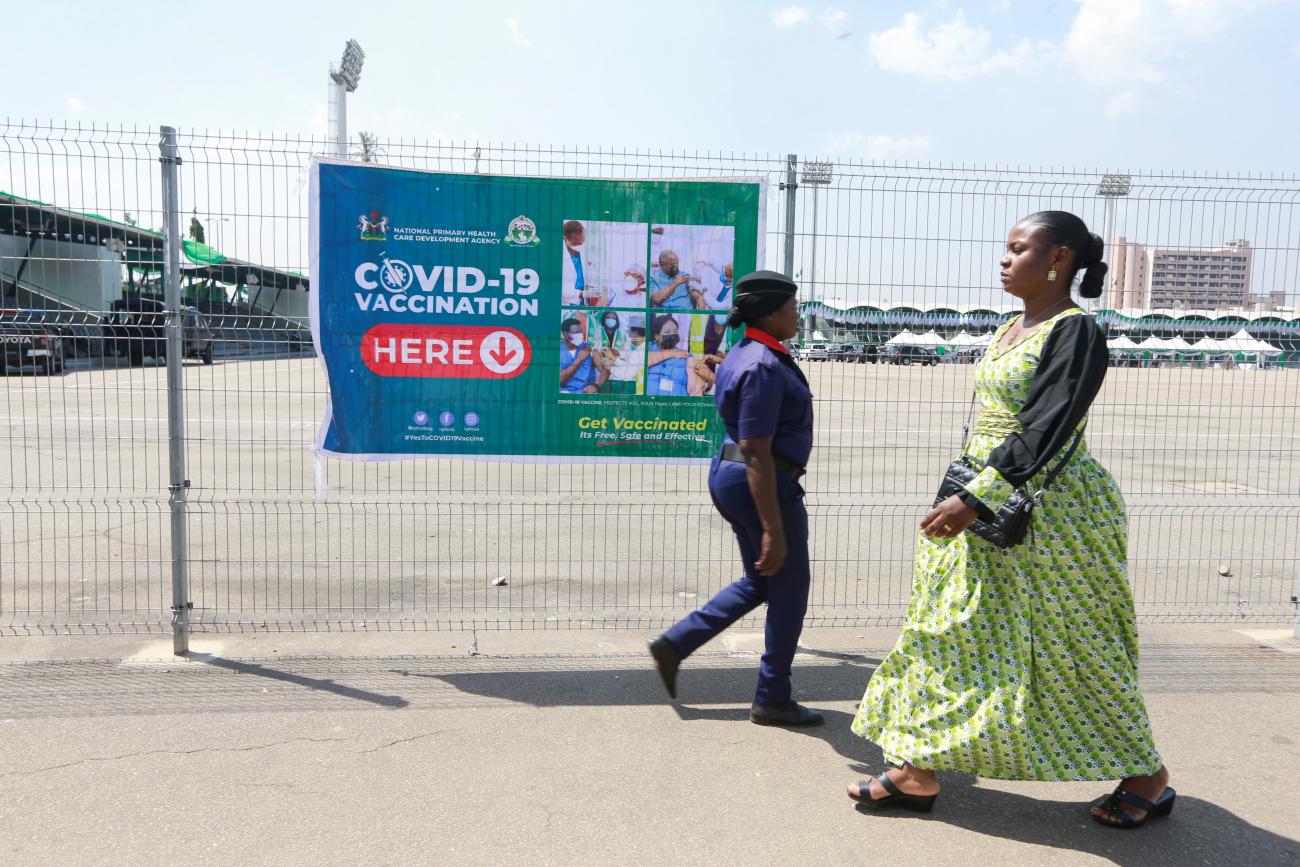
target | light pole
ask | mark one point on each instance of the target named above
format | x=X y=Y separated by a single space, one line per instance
x=1112 y=187
x=344 y=78
x=818 y=174
x=219 y=242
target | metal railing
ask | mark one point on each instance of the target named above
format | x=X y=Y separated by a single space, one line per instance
x=144 y=483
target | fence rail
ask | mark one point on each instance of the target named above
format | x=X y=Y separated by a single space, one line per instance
x=278 y=538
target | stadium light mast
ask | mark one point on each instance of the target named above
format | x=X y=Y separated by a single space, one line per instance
x=818 y=174
x=1111 y=188
x=344 y=77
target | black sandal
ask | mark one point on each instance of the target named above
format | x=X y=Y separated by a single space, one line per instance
x=896 y=797
x=1110 y=807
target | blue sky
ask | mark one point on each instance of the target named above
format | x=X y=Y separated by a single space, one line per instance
x=1176 y=84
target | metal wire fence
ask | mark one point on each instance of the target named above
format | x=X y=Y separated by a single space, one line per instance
x=279 y=538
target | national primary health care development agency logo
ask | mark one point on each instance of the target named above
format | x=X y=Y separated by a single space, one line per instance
x=523 y=232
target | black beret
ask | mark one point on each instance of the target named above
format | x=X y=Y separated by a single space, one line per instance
x=765 y=283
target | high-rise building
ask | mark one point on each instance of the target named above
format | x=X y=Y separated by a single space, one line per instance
x=1203 y=279
x=1266 y=302
x=1130 y=267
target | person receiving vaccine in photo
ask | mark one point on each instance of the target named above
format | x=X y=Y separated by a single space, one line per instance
x=632 y=291
x=667 y=374
x=669 y=285
x=578 y=374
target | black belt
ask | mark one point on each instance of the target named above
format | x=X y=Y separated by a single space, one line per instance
x=731 y=452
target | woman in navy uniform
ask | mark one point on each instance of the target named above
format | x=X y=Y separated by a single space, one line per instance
x=766 y=407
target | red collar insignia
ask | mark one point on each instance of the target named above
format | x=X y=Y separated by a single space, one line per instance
x=766 y=339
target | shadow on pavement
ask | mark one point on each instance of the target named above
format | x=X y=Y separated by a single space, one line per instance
x=315 y=683
x=1198 y=832
x=730 y=685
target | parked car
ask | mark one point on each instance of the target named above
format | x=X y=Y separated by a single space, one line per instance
x=906 y=355
x=816 y=352
x=26 y=341
x=135 y=329
x=856 y=353
x=841 y=351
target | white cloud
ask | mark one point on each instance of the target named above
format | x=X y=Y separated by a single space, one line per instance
x=790 y=16
x=834 y=19
x=1001 y=6
x=1128 y=43
x=75 y=104
x=517 y=35
x=1124 y=102
x=951 y=50
x=877 y=147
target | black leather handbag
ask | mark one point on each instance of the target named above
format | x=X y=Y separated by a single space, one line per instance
x=1013 y=522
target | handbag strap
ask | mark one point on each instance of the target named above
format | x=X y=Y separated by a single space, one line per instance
x=1065 y=459
x=965 y=429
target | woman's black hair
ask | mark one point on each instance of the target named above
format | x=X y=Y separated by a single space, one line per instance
x=564 y=326
x=748 y=309
x=1064 y=229
x=657 y=324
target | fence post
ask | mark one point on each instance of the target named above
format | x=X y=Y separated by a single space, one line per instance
x=178 y=484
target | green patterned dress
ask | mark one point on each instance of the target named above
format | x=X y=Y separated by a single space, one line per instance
x=1022 y=663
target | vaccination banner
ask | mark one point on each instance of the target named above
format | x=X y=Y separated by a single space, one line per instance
x=524 y=318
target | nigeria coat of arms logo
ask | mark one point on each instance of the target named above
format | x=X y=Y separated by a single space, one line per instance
x=373 y=226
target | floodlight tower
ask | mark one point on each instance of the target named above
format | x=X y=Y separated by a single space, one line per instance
x=1111 y=188
x=344 y=77
x=817 y=174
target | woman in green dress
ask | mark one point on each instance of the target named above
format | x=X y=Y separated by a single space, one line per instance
x=1021 y=663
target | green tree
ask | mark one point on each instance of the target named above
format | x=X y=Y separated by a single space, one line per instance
x=196 y=229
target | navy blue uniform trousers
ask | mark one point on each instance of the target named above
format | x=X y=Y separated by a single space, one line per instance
x=786 y=592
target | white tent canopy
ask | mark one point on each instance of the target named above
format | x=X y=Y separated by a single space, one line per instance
x=1121 y=342
x=1243 y=342
x=966 y=339
x=905 y=338
x=1156 y=344
x=1239 y=342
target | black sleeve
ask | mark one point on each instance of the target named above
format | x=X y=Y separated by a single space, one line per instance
x=1068 y=378
x=1069 y=375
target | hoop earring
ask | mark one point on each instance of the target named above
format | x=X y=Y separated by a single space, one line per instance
x=1051 y=276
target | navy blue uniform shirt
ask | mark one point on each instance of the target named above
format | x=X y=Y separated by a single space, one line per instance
x=761 y=392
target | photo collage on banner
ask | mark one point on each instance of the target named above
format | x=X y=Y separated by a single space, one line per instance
x=440 y=294
x=644 y=307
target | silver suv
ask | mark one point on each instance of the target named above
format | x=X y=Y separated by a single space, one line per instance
x=816 y=351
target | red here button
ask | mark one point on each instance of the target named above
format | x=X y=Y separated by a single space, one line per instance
x=445 y=351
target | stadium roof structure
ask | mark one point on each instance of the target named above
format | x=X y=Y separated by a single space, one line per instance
x=966 y=317
x=144 y=247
